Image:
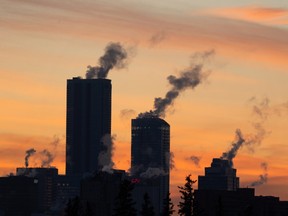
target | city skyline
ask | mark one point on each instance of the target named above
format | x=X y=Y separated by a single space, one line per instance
x=46 y=43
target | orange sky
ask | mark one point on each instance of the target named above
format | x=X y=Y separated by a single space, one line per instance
x=45 y=43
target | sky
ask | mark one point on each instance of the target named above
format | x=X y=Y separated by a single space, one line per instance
x=44 y=43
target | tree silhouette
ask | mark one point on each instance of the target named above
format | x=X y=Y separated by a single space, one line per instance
x=124 y=204
x=219 y=208
x=187 y=198
x=88 y=210
x=77 y=208
x=72 y=208
x=168 y=206
x=147 y=207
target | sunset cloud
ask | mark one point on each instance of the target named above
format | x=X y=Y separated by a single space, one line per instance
x=263 y=15
x=224 y=29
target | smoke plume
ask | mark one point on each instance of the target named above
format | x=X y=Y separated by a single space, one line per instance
x=262 y=111
x=153 y=172
x=105 y=156
x=262 y=108
x=29 y=153
x=47 y=158
x=127 y=114
x=157 y=38
x=55 y=142
x=236 y=145
x=263 y=178
x=195 y=160
x=188 y=79
x=252 y=140
x=169 y=156
x=114 y=57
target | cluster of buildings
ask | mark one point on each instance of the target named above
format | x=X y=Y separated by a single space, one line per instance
x=219 y=193
x=89 y=166
x=91 y=177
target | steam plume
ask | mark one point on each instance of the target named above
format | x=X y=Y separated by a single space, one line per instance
x=105 y=156
x=251 y=140
x=55 y=142
x=231 y=153
x=29 y=153
x=263 y=178
x=157 y=38
x=261 y=109
x=170 y=160
x=47 y=158
x=195 y=160
x=189 y=78
x=114 y=56
x=127 y=114
x=153 y=172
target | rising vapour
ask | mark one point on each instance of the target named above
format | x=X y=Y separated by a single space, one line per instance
x=115 y=56
x=157 y=38
x=255 y=139
x=29 y=153
x=236 y=145
x=55 y=142
x=195 y=160
x=126 y=114
x=263 y=178
x=188 y=79
x=262 y=111
x=153 y=172
x=169 y=156
x=46 y=158
x=105 y=156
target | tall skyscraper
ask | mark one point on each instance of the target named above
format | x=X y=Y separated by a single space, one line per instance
x=88 y=120
x=150 y=158
x=220 y=176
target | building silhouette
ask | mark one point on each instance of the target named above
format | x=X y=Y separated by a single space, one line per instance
x=18 y=195
x=88 y=120
x=150 y=156
x=219 y=194
x=220 y=176
x=100 y=190
x=46 y=181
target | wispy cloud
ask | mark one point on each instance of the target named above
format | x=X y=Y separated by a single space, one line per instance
x=263 y=15
x=217 y=28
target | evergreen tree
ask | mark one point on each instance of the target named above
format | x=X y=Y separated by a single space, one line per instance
x=147 y=208
x=88 y=210
x=76 y=208
x=248 y=211
x=124 y=204
x=73 y=206
x=187 y=198
x=219 y=208
x=168 y=208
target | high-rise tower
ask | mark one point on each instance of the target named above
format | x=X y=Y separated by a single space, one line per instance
x=88 y=120
x=150 y=144
x=150 y=158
